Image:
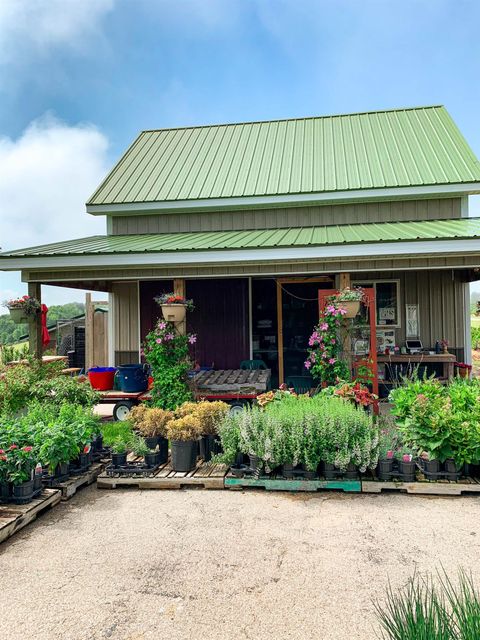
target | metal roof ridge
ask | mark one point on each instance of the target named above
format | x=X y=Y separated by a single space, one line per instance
x=294 y=119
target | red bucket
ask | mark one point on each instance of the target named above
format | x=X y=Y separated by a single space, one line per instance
x=101 y=378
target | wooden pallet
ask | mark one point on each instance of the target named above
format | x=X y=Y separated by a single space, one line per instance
x=70 y=487
x=277 y=484
x=424 y=487
x=240 y=381
x=15 y=517
x=206 y=475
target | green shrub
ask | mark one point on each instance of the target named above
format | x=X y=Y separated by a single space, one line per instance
x=441 y=421
x=300 y=429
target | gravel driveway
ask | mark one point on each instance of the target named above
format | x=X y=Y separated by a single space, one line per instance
x=131 y=565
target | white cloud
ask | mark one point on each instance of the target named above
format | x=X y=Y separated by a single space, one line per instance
x=42 y=25
x=46 y=175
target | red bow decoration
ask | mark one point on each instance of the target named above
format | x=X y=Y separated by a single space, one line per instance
x=45 y=334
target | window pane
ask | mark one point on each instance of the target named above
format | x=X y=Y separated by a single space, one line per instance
x=387 y=303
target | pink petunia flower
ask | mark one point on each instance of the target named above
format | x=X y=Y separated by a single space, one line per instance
x=159 y=341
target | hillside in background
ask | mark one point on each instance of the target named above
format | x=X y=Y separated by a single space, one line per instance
x=11 y=332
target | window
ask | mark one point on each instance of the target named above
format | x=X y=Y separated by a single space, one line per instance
x=387 y=296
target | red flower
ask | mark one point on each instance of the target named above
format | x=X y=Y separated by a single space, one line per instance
x=13 y=446
x=2 y=451
x=3 y=458
x=27 y=449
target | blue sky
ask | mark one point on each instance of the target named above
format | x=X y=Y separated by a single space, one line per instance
x=80 y=79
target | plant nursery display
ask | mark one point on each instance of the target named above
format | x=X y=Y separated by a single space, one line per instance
x=58 y=437
x=167 y=353
x=440 y=423
x=151 y=423
x=301 y=430
x=325 y=349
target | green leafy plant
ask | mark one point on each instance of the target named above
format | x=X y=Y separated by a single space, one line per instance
x=324 y=355
x=18 y=463
x=113 y=431
x=348 y=294
x=167 y=353
x=28 y=304
x=138 y=446
x=230 y=437
x=119 y=445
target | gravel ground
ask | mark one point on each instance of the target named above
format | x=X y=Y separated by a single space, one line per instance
x=131 y=565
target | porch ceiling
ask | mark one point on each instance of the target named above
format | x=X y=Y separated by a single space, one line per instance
x=352 y=234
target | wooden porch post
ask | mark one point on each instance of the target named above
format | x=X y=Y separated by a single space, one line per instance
x=88 y=332
x=179 y=290
x=344 y=280
x=35 y=325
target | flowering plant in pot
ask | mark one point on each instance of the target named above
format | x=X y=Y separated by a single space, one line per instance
x=167 y=353
x=184 y=433
x=20 y=465
x=324 y=354
x=174 y=307
x=22 y=309
x=349 y=300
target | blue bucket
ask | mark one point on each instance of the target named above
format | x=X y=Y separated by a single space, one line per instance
x=132 y=378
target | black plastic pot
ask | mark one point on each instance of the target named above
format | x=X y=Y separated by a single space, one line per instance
x=152 y=441
x=238 y=471
x=22 y=493
x=256 y=465
x=209 y=446
x=309 y=475
x=37 y=482
x=452 y=470
x=5 y=491
x=407 y=470
x=385 y=468
x=184 y=454
x=287 y=470
x=351 y=472
x=119 y=459
x=152 y=459
x=329 y=471
x=61 y=470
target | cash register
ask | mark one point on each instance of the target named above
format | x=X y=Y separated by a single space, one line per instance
x=414 y=346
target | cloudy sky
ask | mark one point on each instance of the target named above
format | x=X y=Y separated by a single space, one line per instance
x=80 y=78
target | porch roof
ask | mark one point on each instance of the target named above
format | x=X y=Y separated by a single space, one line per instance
x=206 y=165
x=217 y=242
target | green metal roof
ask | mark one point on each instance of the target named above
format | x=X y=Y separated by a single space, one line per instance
x=291 y=237
x=398 y=148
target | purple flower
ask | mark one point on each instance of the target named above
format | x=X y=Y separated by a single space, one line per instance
x=158 y=341
x=333 y=341
x=192 y=339
x=169 y=336
x=342 y=311
x=324 y=326
x=307 y=364
x=332 y=361
x=162 y=325
x=330 y=309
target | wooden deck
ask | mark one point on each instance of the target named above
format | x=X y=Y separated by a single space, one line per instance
x=70 y=487
x=424 y=487
x=206 y=475
x=15 y=517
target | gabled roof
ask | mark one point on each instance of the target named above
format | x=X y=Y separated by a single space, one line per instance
x=216 y=242
x=411 y=147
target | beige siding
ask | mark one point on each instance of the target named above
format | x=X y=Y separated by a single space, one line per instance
x=440 y=299
x=126 y=331
x=289 y=217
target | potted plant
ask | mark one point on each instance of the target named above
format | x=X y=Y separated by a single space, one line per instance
x=349 y=299
x=174 y=307
x=151 y=423
x=21 y=463
x=23 y=309
x=183 y=433
x=119 y=452
x=210 y=415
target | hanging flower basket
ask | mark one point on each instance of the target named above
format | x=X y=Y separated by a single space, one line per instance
x=174 y=312
x=23 y=309
x=352 y=307
x=174 y=307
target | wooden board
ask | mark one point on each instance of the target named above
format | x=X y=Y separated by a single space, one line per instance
x=15 y=517
x=70 y=487
x=434 y=488
x=239 y=381
x=206 y=475
x=276 y=484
